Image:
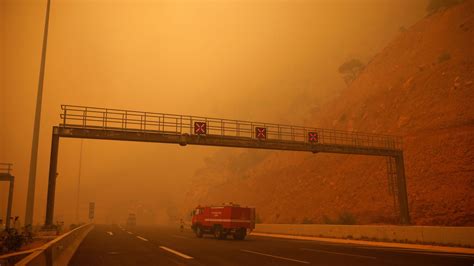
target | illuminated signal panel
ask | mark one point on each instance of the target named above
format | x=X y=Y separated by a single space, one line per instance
x=313 y=137
x=260 y=133
x=200 y=128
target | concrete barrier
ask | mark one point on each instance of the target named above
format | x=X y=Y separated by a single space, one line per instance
x=58 y=251
x=453 y=236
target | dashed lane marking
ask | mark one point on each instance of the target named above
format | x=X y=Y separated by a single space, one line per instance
x=130 y=233
x=276 y=257
x=142 y=238
x=339 y=253
x=110 y=233
x=176 y=253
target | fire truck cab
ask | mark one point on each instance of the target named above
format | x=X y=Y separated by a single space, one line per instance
x=223 y=220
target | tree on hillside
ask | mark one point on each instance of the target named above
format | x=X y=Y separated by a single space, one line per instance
x=435 y=5
x=350 y=69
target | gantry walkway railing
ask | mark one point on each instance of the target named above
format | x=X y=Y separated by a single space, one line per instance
x=149 y=122
x=127 y=125
x=6 y=168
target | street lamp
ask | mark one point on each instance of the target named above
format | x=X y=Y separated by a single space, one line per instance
x=30 y=198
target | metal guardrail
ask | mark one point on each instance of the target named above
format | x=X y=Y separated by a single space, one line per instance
x=58 y=251
x=13 y=258
x=6 y=168
x=127 y=120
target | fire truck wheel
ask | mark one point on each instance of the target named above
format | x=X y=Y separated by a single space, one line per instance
x=219 y=233
x=198 y=231
x=240 y=234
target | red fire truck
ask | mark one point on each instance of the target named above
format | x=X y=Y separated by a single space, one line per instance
x=223 y=220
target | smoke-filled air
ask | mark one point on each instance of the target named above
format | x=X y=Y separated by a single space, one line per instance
x=396 y=68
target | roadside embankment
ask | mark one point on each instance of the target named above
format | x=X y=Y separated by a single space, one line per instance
x=433 y=235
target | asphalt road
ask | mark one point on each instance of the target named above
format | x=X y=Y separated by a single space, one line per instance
x=113 y=245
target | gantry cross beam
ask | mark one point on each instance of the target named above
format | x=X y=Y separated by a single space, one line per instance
x=127 y=125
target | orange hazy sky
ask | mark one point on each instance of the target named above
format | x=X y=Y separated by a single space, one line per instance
x=252 y=60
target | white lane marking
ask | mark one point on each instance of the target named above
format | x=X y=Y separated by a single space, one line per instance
x=130 y=233
x=110 y=233
x=431 y=253
x=176 y=252
x=339 y=253
x=276 y=257
x=416 y=251
x=142 y=238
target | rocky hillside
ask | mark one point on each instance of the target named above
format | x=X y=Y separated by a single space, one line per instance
x=420 y=87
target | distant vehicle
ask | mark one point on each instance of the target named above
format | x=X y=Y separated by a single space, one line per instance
x=223 y=220
x=132 y=219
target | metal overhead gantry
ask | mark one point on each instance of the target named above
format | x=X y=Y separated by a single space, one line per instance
x=5 y=175
x=125 y=125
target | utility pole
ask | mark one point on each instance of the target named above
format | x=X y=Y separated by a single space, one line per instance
x=30 y=198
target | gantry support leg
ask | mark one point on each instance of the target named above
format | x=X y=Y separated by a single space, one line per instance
x=402 y=190
x=10 y=202
x=48 y=224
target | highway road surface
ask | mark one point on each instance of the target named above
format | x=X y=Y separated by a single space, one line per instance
x=113 y=245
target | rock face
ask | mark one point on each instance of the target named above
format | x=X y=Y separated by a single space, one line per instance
x=419 y=87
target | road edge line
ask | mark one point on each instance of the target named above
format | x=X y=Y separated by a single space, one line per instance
x=339 y=253
x=274 y=256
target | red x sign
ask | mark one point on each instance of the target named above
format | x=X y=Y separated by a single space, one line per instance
x=200 y=128
x=261 y=133
x=312 y=136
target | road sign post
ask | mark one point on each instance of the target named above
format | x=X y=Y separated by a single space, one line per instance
x=91 y=210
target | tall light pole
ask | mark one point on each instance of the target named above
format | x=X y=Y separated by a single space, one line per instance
x=30 y=198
